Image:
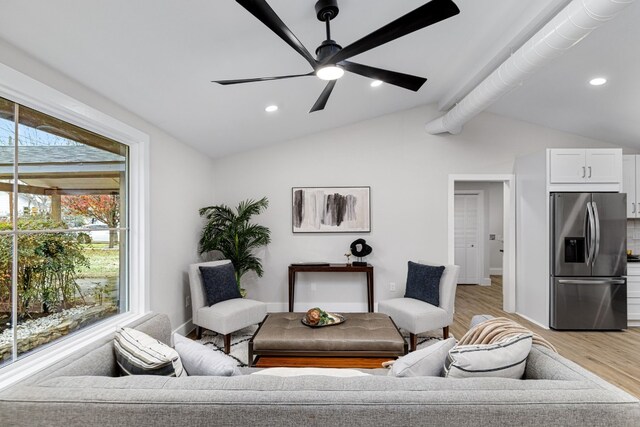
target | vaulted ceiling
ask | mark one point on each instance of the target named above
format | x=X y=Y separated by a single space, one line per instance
x=157 y=59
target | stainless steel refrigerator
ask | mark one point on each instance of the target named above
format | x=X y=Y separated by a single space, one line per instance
x=588 y=261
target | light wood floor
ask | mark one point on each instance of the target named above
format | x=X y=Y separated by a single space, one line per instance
x=614 y=356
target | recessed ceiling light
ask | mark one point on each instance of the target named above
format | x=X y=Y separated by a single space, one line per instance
x=598 y=81
x=376 y=83
x=271 y=108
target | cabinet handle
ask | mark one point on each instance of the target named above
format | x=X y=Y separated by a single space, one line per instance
x=634 y=207
x=584 y=171
x=589 y=171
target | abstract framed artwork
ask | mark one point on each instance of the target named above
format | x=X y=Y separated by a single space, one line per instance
x=331 y=209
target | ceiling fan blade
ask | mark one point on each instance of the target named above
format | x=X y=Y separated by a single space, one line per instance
x=425 y=15
x=405 y=81
x=261 y=10
x=324 y=97
x=260 y=79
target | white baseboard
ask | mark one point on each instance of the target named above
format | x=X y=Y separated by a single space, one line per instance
x=532 y=321
x=633 y=323
x=495 y=271
x=302 y=306
x=482 y=281
x=185 y=328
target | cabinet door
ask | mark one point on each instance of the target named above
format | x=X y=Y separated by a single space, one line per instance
x=633 y=297
x=637 y=187
x=567 y=166
x=629 y=184
x=604 y=165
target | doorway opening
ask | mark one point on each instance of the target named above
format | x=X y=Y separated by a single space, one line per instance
x=482 y=232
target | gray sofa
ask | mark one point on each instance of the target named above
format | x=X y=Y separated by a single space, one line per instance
x=85 y=391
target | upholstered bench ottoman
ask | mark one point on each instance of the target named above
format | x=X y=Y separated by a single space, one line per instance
x=361 y=335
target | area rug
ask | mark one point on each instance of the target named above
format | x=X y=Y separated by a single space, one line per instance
x=240 y=342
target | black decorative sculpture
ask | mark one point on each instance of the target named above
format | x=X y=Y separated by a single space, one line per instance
x=360 y=249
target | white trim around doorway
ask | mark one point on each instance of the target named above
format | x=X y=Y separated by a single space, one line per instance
x=509 y=201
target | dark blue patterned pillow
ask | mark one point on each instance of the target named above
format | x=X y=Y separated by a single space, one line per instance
x=423 y=283
x=219 y=283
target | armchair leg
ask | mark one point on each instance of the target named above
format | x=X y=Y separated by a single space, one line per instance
x=413 y=342
x=227 y=343
x=198 y=332
x=445 y=332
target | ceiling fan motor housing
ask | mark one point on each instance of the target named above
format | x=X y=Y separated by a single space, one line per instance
x=327 y=49
x=327 y=9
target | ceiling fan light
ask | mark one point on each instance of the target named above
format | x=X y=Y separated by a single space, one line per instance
x=376 y=83
x=330 y=72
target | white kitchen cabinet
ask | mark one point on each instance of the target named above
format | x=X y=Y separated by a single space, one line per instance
x=631 y=184
x=633 y=294
x=576 y=166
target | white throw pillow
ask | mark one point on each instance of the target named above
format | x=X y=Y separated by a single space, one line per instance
x=505 y=359
x=202 y=361
x=296 y=372
x=426 y=362
x=140 y=354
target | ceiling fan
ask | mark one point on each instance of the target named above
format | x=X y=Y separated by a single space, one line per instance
x=331 y=60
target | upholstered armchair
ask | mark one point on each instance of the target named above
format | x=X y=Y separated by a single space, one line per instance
x=223 y=317
x=415 y=316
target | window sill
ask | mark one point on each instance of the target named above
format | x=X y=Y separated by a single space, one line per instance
x=46 y=357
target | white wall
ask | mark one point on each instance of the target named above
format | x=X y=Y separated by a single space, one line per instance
x=181 y=182
x=493 y=223
x=407 y=170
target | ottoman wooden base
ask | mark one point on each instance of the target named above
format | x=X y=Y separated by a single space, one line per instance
x=361 y=335
x=321 y=362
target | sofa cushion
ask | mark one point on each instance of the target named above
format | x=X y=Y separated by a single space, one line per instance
x=198 y=359
x=505 y=359
x=139 y=354
x=219 y=283
x=423 y=283
x=426 y=362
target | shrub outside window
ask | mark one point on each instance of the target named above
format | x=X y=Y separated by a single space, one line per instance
x=63 y=229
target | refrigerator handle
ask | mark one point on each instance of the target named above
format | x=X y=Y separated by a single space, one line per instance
x=590 y=233
x=596 y=251
x=591 y=282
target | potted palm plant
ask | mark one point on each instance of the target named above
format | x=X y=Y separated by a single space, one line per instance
x=232 y=233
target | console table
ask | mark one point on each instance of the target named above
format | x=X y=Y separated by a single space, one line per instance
x=331 y=268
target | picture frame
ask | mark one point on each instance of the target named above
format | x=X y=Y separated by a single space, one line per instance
x=331 y=209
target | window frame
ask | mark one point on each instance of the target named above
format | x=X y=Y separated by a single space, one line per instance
x=22 y=89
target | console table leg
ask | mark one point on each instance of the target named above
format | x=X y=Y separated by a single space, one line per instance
x=370 y=291
x=292 y=288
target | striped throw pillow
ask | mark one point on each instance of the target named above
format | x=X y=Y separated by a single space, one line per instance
x=139 y=354
x=505 y=359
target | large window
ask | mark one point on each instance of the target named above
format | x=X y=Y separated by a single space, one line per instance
x=63 y=229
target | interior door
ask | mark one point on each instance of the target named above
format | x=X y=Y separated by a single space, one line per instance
x=467 y=227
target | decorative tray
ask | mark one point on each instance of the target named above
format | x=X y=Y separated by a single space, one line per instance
x=334 y=319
